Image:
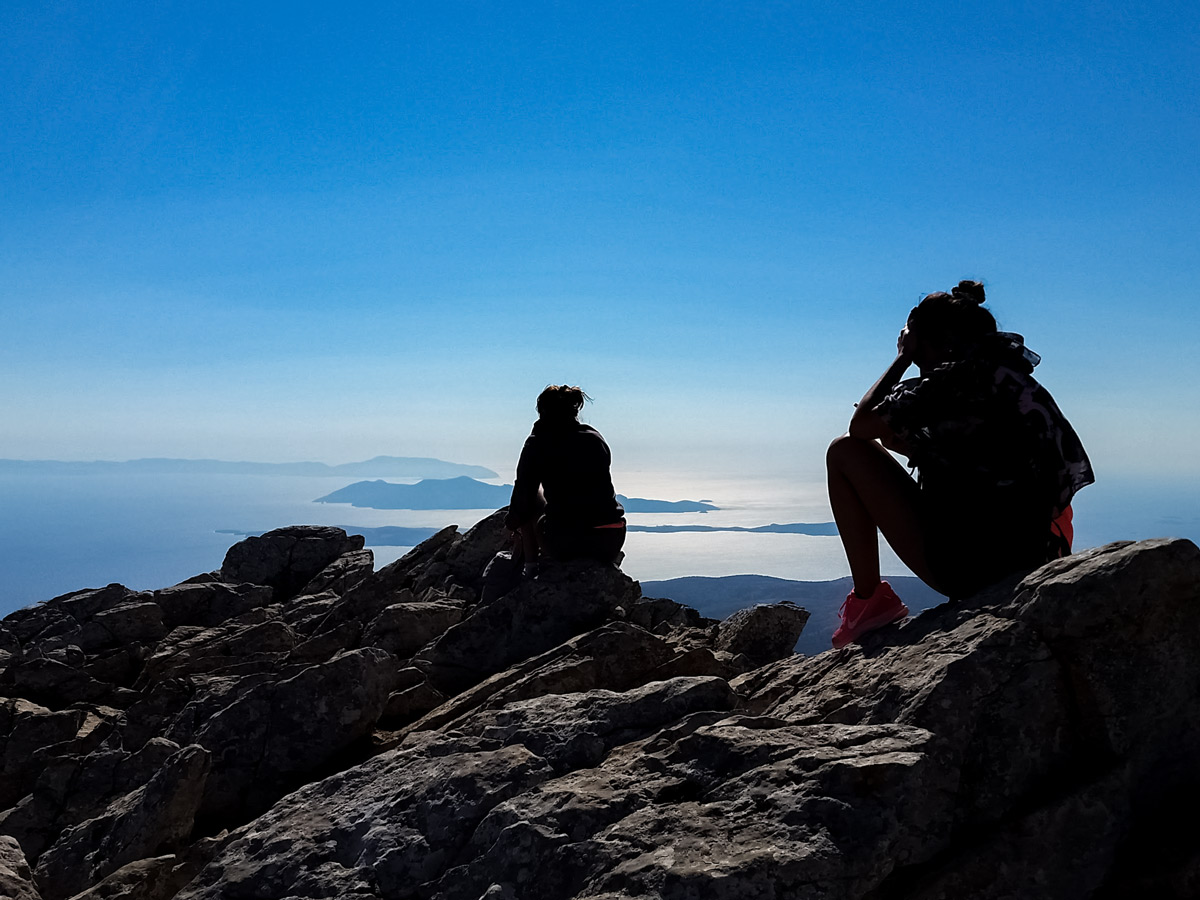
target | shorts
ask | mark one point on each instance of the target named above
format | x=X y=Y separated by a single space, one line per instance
x=973 y=540
x=602 y=543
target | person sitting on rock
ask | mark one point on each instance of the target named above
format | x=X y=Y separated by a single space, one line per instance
x=998 y=463
x=563 y=502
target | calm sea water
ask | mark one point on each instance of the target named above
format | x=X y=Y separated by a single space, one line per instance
x=63 y=533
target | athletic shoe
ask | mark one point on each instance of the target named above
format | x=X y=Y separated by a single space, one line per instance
x=860 y=616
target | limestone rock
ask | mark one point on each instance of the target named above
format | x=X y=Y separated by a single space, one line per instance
x=404 y=628
x=762 y=633
x=400 y=820
x=565 y=600
x=209 y=603
x=16 y=879
x=275 y=733
x=252 y=638
x=150 y=819
x=343 y=573
x=287 y=559
x=617 y=656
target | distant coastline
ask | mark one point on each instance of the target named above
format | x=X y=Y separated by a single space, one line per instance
x=402 y=536
x=464 y=492
x=379 y=466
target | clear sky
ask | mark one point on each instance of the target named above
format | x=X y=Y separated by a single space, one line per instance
x=285 y=231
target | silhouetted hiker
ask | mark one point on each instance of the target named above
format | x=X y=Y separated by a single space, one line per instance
x=998 y=463
x=563 y=501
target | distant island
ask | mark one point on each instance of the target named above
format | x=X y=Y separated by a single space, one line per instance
x=467 y=493
x=401 y=536
x=381 y=466
x=813 y=528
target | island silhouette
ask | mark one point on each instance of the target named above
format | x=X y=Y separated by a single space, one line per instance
x=465 y=492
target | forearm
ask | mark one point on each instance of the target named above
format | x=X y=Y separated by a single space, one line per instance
x=866 y=422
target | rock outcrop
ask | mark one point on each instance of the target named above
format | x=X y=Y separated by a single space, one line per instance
x=296 y=724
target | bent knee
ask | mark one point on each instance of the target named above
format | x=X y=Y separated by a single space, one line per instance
x=842 y=447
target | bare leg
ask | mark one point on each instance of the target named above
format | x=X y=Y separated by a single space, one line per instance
x=869 y=489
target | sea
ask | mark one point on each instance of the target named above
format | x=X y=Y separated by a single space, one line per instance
x=60 y=533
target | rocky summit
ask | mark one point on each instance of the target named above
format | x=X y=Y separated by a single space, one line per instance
x=296 y=724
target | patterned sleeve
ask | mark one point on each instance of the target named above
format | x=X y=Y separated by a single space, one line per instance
x=903 y=409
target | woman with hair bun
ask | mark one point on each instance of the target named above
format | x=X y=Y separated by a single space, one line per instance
x=998 y=463
x=563 y=502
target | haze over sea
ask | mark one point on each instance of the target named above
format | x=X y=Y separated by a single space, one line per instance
x=61 y=533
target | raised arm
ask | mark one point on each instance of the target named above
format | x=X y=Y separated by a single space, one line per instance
x=868 y=424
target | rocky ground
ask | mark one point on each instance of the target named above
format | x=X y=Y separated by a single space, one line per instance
x=297 y=725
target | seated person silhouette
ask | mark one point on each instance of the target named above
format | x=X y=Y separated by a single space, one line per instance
x=563 y=503
x=998 y=463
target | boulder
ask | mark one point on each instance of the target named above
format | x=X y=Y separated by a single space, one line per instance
x=617 y=656
x=25 y=728
x=566 y=599
x=762 y=633
x=404 y=628
x=140 y=824
x=253 y=640
x=287 y=559
x=16 y=878
x=343 y=573
x=400 y=820
x=209 y=603
x=272 y=737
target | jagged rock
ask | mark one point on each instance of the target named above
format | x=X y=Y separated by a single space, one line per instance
x=54 y=683
x=271 y=736
x=16 y=878
x=652 y=613
x=150 y=819
x=254 y=639
x=26 y=727
x=307 y=612
x=10 y=648
x=565 y=600
x=343 y=573
x=155 y=878
x=391 y=584
x=723 y=809
x=398 y=821
x=208 y=604
x=413 y=701
x=287 y=559
x=404 y=628
x=73 y=789
x=617 y=656
x=469 y=556
x=762 y=633
x=63 y=615
x=128 y=623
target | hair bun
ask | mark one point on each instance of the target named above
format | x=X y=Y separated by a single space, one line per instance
x=970 y=290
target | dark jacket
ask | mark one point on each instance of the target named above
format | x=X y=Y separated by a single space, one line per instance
x=570 y=462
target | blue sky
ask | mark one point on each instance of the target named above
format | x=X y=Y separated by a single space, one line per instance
x=308 y=231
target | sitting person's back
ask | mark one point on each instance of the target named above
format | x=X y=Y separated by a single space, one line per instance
x=563 y=500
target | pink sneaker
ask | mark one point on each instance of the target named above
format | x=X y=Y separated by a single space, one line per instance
x=860 y=616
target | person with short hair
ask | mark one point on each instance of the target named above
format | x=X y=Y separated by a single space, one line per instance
x=998 y=463
x=563 y=502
